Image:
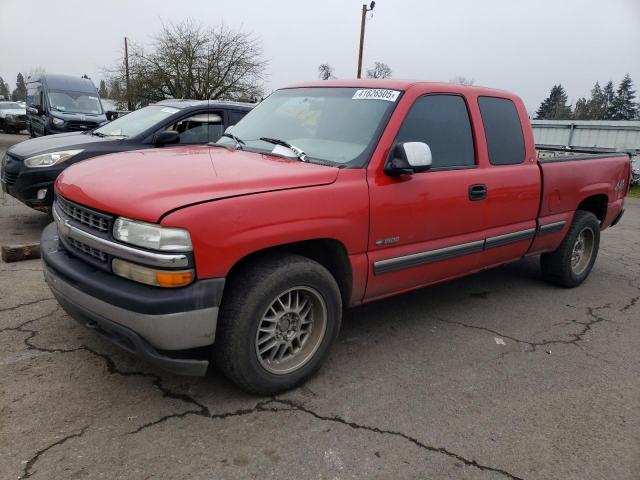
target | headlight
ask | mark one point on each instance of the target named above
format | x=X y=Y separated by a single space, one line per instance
x=57 y=121
x=152 y=236
x=11 y=117
x=48 y=159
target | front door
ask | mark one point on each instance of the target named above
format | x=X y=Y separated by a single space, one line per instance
x=429 y=226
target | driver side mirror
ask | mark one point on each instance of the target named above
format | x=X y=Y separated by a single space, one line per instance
x=408 y=158
x=111 y=115
x=166 y=138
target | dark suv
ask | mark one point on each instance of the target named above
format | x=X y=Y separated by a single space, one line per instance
x=29 y=169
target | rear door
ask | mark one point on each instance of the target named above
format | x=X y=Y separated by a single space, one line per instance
x=428 y=226
x=513 y=181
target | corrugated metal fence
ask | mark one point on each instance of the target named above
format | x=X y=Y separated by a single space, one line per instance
x=597 y=135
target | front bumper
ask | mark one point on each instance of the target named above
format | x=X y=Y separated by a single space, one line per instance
x=23 y=183
x=147 y=321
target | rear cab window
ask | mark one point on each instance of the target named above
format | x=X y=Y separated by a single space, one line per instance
x=442 y=122
x=503 y=131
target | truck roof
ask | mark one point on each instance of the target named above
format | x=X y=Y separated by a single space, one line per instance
x=393 y=84
x=64 y=82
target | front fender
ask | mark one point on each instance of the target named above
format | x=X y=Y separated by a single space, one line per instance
x=225 y=231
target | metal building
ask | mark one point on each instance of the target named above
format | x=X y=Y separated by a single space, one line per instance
x=596 y=135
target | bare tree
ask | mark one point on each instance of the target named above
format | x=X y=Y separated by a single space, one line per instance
x=187 y=60
x=463 y=80
x=379 y=70
x=34 y=71
x=325 y=71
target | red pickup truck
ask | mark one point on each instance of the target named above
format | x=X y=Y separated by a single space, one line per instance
x=326 y=195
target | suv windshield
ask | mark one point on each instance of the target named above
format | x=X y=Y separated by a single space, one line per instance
x=335 y=125
x=10 y=106
x=74 y=102
x=136 y=122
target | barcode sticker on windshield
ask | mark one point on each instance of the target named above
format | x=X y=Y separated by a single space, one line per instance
x=376 y=94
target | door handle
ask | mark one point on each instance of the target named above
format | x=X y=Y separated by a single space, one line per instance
x=477 y=192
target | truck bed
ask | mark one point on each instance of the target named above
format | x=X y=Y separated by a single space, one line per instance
x=569 y=181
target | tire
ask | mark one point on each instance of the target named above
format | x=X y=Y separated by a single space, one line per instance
x=571 y=263
x=251 y=302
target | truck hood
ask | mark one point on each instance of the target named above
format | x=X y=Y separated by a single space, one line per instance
x=146 y=184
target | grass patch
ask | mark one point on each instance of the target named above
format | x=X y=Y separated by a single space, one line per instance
x=634 y=191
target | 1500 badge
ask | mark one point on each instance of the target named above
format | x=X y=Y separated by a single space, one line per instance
x=388 y=241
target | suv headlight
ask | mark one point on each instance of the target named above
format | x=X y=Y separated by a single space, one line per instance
x=48 y=159
x=149 y=235
x=57 y=121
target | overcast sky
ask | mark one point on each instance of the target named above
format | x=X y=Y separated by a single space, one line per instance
x=520 y=45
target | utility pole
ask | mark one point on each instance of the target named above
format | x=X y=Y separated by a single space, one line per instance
x=126 y=72
x=365 y=9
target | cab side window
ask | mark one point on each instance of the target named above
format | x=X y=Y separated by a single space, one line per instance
x=503 y=131
x=198 y=129
x=442 y=122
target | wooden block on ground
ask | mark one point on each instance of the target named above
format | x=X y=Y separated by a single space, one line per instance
x=15 y=253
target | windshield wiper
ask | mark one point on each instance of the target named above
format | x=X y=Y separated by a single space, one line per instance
x=298 y=151
x=97 y=134
x=238 y=141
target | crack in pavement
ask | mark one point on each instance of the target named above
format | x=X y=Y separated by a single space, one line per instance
x=632 y=303
x=27 y=471
x=26 y=304
x=577 y=337
x=275 y=405
x=19 y=328
x=271 y=406
x=112 y=369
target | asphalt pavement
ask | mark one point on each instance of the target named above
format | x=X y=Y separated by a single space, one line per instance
x=495 y=376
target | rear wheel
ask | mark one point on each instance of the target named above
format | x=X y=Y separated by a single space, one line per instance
x=572 y=262
x=278 y=320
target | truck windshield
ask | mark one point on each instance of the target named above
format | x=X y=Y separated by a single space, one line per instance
x=74 y=102
x=335 y=125
x=136 y=122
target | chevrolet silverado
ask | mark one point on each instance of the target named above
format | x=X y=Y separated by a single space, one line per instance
x=327 y=195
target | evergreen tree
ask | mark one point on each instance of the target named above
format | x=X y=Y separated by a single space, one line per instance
x=597 y=104
x=4 y=89
x=609 y=96
x=554 y=107
x=623 y=107
x=20 y=92
x=581 y=110
x=102 y=91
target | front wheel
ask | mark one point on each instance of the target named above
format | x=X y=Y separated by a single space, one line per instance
x=572 y=262
x=279 y=318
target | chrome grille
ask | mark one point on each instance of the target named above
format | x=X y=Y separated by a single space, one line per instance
x=90 y=218
x=94 y=252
